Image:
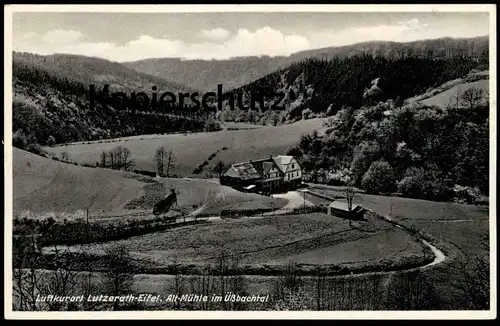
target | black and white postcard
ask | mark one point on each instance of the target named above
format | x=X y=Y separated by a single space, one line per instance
x=250 y=161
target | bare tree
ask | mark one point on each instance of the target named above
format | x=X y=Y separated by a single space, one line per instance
x=104 y=159
x=473 y=98
x=62 y=280
x=127 y=162
x=454 y=102
x=177 y=287
x=222 y=271
x=219 y=168
x=159 y=159
x=237 y=283
x=119 y=158
x=411 y=291
x=118 y=153
x=25 y=260
x=475 y=278
x=112 y=159
x=170 y=161
x=29 y=281
x=289 y=280
x=206 y=285
x=118 y=280
x=349 y=190
x=88 y=287
x=320 y=282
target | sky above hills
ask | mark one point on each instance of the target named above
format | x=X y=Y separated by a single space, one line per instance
x=134 y=36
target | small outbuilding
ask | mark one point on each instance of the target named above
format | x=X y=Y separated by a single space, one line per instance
x=339 y=208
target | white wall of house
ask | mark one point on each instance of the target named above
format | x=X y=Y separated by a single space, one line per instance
x=293 y=170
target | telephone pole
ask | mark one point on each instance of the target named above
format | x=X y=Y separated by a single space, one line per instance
x=304 y=195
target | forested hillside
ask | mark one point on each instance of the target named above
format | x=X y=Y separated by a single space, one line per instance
x=51 y=102
x=416 y=150
x=91 y=70
x=476 y=48
x=206 y=74
x=322 y=87
x=236 y=72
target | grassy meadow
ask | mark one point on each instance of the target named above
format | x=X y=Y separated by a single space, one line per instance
x=42 y=185
x=190 y=150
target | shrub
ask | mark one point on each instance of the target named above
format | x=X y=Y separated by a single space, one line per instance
x=413 y=184
x=306 y=114
x=439 y=189
x=19 y=139
x=293 y=300
x=51 y=141
x=35 y=149
x=411 y=187
x=469 y=195
x=198 y=169
x=379 y=178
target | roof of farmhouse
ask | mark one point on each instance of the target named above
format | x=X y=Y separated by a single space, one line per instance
x=340 y=205
x=254 y=168
x=283 y=159
x=245 y=170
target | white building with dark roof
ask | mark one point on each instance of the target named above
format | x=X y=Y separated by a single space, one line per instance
x=291 y=168
x=340 y=208
x=267 y=175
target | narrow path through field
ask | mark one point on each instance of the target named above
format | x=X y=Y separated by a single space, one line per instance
x=439 y=256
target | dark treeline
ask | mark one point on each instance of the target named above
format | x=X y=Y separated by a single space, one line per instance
x=50 y=108
x=325 y=86
x=239 y=71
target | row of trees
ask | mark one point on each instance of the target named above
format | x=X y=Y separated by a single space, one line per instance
x=65 y=277
x=118 y=158
x=164 y=160
x=289 y=291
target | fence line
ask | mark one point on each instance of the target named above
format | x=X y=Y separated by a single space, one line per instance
x=267 y=211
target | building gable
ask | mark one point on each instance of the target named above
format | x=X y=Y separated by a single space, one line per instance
x=266 y=166
x=282 y=161
x=231 y=172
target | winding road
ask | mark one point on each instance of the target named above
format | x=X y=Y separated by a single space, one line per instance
x=439 y=256
x=296 y=200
